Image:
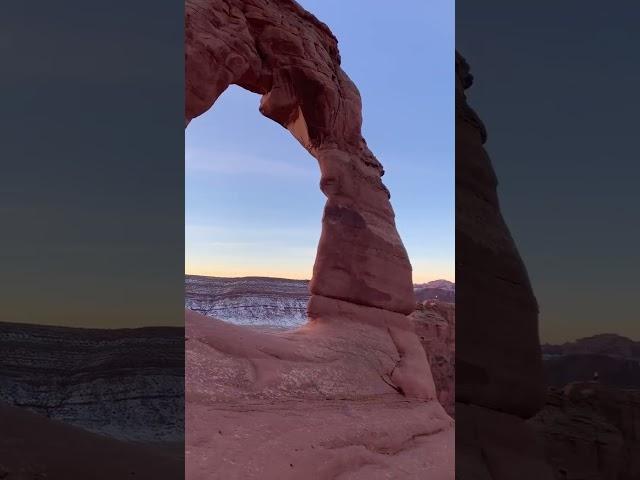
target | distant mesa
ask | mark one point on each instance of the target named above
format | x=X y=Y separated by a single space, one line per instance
x=127 y=384
x=615 y=358
x=272 y=302
x=442 y=290
x=257 y=301
x=601 y=344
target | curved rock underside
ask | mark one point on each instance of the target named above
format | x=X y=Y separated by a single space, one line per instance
x=350 y=395
x=499 y=380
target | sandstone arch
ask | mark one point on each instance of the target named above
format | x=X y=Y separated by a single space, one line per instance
x=282 y=52
x=351 y=392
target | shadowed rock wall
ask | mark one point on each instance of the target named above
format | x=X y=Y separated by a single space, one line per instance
x=499 y=381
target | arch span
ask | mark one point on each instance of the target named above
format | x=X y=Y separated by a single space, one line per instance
x=291 y=59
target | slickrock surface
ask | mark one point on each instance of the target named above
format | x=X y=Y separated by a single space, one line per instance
x=320 y=402
x=33 y=447
x=435 y=324
x=591 y=432
x=350 y=394
x=499 y=380
x=127 y=384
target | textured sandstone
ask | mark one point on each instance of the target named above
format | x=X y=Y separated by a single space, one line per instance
x=350 y=394
x=320 y=402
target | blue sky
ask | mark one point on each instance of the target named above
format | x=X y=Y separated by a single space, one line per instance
x=253 y=205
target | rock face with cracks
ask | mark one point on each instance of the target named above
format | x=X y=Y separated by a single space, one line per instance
x=350 y=395
x=499 y=379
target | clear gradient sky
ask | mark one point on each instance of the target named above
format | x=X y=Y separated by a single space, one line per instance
x=253 y=204
x=556 y=85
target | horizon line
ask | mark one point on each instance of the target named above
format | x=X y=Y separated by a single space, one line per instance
x=288 y=278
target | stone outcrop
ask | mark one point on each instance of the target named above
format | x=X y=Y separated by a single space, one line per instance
x=320 y=402
x=435 y=324
x=591 y=431
x=350 y=394
x=499 y=381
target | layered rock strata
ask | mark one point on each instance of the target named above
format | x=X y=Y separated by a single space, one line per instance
x=126 y=384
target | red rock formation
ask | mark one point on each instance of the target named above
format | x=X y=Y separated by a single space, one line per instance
x=349 y=395
x=282 y=52
x=435 y=324
x=319 y=402
x=499 y=380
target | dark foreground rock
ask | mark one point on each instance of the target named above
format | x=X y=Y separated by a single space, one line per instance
x=33 y=447
x=591 y=432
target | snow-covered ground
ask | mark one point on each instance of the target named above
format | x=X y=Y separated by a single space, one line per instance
x=270 y=302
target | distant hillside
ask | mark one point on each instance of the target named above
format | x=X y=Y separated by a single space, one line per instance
x=442 y=290
x=124 y=383
x=272 y=302
x=602 y=344
x=615 y=359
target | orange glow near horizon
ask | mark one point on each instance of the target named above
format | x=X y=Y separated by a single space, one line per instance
x=419 y=276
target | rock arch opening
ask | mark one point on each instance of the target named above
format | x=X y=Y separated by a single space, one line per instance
x=252 y=216
x=291 y=59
